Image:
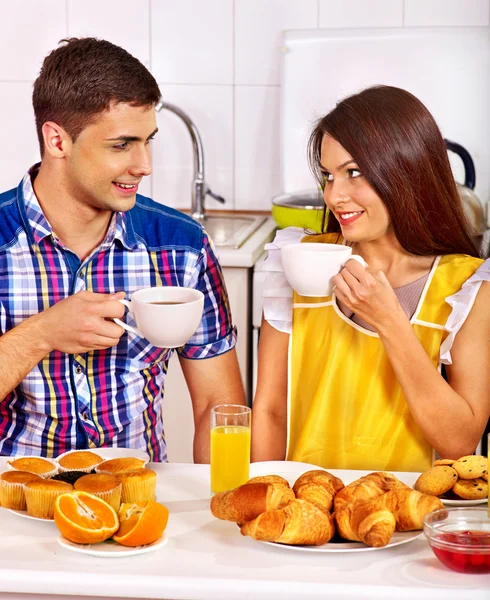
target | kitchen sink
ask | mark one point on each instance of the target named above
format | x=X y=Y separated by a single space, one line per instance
x=231 y=231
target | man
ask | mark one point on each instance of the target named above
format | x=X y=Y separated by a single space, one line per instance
x=74 y=238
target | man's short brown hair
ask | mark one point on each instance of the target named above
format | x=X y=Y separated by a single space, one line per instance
x=82 y=78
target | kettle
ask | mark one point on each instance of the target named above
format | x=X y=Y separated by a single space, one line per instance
x=473 y=208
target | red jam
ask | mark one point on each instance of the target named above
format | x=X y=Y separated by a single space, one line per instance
x=465 y=561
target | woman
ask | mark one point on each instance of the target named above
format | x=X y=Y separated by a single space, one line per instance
x=364 y=388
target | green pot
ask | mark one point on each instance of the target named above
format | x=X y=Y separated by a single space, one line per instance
x=302 y=209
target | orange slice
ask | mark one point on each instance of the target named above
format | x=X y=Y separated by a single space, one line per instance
x=84 y=519
x=141 y=523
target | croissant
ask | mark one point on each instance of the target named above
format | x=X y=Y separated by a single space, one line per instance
x=246 y=502
x=300 y=522
x=369 y=486
x=365 y=521
x=368 y=521
x=318 y=487
x=409 y=507
x=269 y=479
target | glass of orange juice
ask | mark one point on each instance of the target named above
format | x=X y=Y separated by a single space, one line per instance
x=230 y=446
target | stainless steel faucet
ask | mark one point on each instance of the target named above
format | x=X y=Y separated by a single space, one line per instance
x=199 y=187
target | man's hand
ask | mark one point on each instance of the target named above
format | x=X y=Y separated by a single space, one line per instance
x=81 y=323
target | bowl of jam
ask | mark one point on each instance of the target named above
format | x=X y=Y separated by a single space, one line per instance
x=460 y=538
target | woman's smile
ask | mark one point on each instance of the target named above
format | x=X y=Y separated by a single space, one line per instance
x=346 y=218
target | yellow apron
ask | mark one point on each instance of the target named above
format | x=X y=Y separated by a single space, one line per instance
x=346 y=409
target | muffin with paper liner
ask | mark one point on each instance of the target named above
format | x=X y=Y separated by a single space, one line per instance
x=41 y=496
x=138 y=485
x=44 y=467
x=114 y=466
x=12 y=488
x=79 y=460
x=105 y=486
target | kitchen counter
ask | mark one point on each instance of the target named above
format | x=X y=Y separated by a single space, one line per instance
x=206 y=558
x=247 y=255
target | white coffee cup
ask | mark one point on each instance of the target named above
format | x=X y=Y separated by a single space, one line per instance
x=166 y=316
x=310 y=268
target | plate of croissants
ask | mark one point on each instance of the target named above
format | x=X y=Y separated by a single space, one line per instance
x=301 y=507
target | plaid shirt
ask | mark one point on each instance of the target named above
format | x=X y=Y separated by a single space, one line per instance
x=111 y=397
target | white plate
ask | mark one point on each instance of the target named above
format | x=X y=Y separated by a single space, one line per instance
x=397 y=539
x=111 y=549
x=287 y=469
x=292 y=470
x=463 y=502
x=23 y=513
x=121 y=453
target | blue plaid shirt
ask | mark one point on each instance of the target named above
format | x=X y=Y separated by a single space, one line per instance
x=111 y=397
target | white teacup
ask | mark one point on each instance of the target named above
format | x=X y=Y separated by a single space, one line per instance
x=166 y=316
x=310 y=268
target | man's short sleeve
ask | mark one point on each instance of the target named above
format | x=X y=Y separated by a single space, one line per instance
x=3 y=319
x=216 y=333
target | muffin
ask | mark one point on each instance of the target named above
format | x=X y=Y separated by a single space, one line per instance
x=41 y=496
x=45 y=467
x=12 y=488
x=120 y=465
x=103 y=485
x=138 y=485
x=78 y=460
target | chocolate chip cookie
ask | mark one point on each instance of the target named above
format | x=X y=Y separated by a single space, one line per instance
x=471 y=489
x=471 y=467
x=436 y=481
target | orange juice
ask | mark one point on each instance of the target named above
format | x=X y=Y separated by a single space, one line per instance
x=230 y=457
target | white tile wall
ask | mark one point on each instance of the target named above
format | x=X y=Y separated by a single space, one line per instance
x=217 y=59
x=113 y=20
x=258 y=27
x=30 y=29
x=211 y=107
x=19 y=148
x=192 y=41
x=257 y=173
x=359 y=13
x=446 y=12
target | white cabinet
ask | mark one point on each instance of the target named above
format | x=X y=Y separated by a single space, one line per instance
x=239 y=286
x=177 y=408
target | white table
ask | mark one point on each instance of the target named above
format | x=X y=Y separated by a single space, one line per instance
x=208 y=559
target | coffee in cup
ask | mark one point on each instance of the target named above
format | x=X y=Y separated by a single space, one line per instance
x=310 y=268
x=166 y=316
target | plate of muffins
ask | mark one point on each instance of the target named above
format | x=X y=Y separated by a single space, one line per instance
x=31 y=484
x=462 y=482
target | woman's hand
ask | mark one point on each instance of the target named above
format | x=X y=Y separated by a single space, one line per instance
x=369 y=295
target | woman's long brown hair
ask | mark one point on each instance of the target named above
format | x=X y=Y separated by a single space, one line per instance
x=400 y=151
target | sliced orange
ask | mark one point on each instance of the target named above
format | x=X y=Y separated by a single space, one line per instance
x=141 y=523
x=84 y=519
